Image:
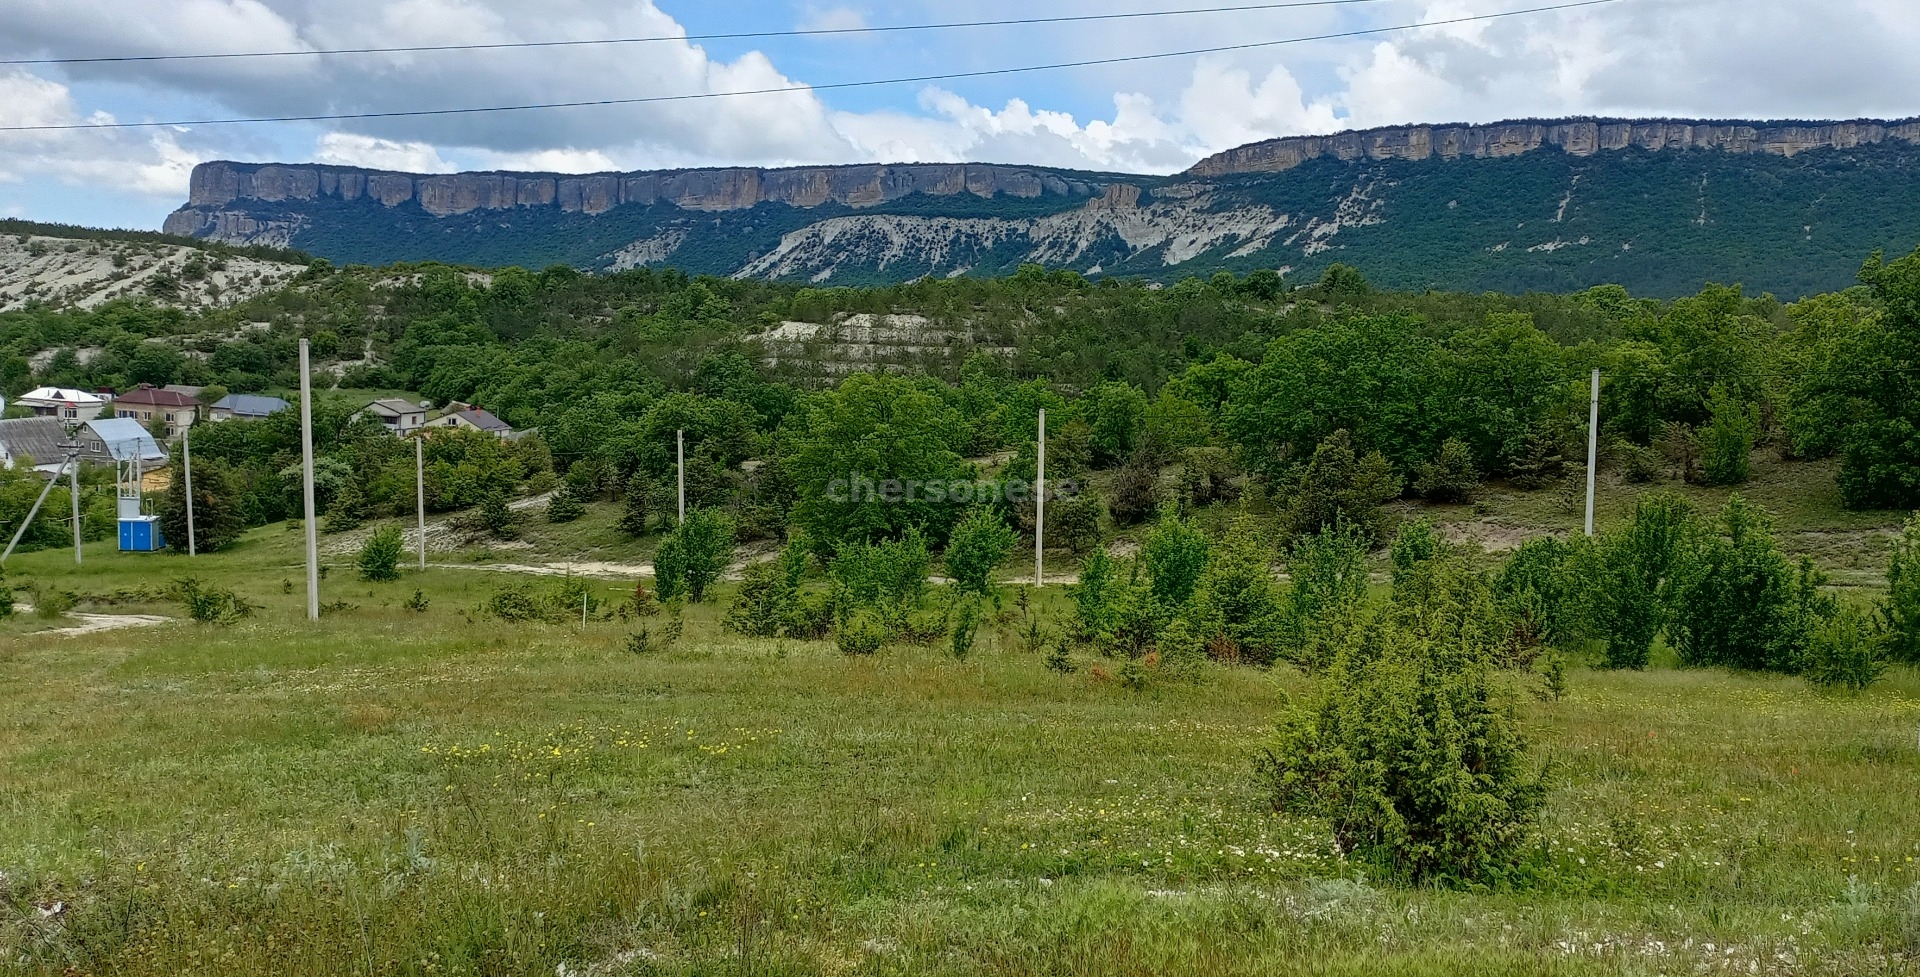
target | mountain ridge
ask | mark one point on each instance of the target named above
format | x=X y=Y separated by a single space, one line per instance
x=1657 y=205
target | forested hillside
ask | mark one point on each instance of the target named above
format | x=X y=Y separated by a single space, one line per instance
x=1202 y=390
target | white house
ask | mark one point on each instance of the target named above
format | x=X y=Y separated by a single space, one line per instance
x=64 y=403
x=399 y=416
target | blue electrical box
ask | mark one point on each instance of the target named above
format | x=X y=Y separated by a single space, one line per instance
x=141 y=535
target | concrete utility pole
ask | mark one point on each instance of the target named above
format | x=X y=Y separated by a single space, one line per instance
x=680 y=451
x=72 y=459
x=1593 y=447
x=76 y=503
x=1040 y=506
x=186 y=463
x=420 y=492
x=306 y=486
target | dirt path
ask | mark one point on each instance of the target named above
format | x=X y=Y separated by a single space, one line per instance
x=96 y=623
x=611 y=571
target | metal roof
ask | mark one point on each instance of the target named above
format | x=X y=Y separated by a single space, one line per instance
x=123 y=439
x=251 y=405
x=38 y=438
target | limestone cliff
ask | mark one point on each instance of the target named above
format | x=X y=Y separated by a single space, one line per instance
x=1576 y=137
x=219 y=191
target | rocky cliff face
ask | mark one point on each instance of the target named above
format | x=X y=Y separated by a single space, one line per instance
x=1576 y=137
x=220 y=191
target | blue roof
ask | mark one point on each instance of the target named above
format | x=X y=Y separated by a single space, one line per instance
x=124 y=439
x=251 y=405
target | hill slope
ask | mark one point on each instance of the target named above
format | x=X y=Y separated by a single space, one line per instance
x=1661 y=207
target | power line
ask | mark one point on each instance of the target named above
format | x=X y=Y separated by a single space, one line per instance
x=737 y=35
x=916 y=79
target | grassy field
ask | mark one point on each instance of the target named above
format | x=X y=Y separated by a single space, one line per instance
x=394 y=791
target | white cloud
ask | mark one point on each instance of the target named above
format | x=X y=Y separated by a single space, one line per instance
x=350 y=149
x=832 y=19
x=148 y=162
x=1778 y=58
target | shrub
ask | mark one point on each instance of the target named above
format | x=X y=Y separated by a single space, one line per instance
x=517 y=602
x=1640 y=569
x=966 y=625
x=380 y=555
x=1136 y=493
x=1075 y=520
x=498 y=518
x=861 y=633
x=1174 y=555
x=1845 y=652
x=637 y=506
x=1411 y=751
x=565 y=506
x=1540 y=588
x=1901 y=612
x=768 y=604
x=208 y=604
x=1726 y=443
x=1414 y=545
x=977 y=547
x=6 y=596
x=1637 y=464
x=1340 y=487
x=693 y=555
x=50 y=604
x=889 y=577
x=1743 y=605
x=1329 y=584
x=1094 y=596
x=1237 y=601
x=1450 y=476
x=418 y=602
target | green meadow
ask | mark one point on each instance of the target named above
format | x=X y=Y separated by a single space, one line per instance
x=396 y=790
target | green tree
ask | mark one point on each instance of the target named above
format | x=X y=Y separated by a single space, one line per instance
x=693 y=555
x=1450 y=476
x=219 y=514
x=979 y=545
x=637 y=505
x=869 y=458
x=1743 y=605
x=1238 y=599
x=380 y=554
x=565 y=505
x=1075 y=520
x=1726 y=448
x=1174 y=555
x=1640 y=570
x=1340 y=487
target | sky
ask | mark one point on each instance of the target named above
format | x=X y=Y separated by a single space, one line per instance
x=1748 y=59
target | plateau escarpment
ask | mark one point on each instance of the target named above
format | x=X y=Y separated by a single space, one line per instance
x=1661 y=206
x=1575 y=137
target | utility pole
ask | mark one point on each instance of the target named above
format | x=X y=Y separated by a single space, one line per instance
x=76 y=503
x=1040 y=506
x=420 y=492
x=72 y=459
x=306 y=485
x=1593 y=447
x=186 y=462
x=680 y=452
